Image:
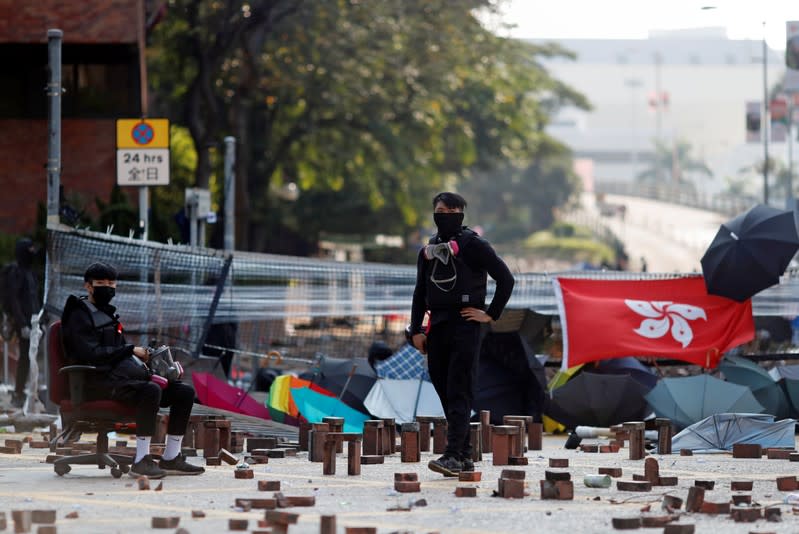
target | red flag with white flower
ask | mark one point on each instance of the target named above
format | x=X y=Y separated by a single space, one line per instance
x=672 y=318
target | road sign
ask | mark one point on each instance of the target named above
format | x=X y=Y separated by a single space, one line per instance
x=142 y=133
x=143 y=167
x=143 y=152
x=201 y=198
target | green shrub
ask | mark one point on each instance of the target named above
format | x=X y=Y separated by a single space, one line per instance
x=574 y=248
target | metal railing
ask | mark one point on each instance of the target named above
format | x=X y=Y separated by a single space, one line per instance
x=679 y=194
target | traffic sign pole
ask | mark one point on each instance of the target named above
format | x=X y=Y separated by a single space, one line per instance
x=230 y=193
x=144 y=208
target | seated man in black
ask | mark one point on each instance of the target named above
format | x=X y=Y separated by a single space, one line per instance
x=93 y=336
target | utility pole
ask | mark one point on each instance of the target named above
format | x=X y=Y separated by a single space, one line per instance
x=766 y=118
x=54 y=90
x=230 y=193
x=658 y=115
x=789 y=199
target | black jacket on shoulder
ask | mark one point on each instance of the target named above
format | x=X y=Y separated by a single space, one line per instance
x=475 y=260
x=94 y=336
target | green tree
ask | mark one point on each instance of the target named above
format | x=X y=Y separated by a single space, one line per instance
x=166 y=202
x=511 y=203
x=369 y=107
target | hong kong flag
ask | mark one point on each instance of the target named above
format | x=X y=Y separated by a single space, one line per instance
x=673 y=318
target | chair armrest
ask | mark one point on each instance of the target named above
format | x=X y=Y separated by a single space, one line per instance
x=77 y=381
x=76 y=368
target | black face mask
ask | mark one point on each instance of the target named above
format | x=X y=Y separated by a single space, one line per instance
x=448 y=224
x=103 y=295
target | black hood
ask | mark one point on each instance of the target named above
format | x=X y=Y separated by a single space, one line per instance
x=24 y=252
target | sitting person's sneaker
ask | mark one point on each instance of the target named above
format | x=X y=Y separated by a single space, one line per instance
x=146 y=467
x=179 y=466
x=468 y=464
x=446 y=465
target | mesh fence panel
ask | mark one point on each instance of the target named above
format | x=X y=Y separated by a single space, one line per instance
x=299 y=306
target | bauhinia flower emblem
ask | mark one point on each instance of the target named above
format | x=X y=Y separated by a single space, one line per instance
x=664 y=315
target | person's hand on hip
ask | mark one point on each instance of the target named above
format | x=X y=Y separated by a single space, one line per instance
x=475 y=314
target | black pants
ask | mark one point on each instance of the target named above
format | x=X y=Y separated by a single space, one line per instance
x=23 y=366
x=453 y=349
x=148 y=397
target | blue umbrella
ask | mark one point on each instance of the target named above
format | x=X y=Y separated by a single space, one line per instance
x=315 y=406
x=722 y=431
x=745 y=372
x=689 y=399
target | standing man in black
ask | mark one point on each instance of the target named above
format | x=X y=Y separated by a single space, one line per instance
x=451 y=283
x=23 y=302
x=93 y=335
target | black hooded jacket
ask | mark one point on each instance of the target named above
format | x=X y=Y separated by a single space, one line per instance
x=22 y=282
x=94 y=336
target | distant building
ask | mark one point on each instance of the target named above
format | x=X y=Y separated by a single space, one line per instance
x=704 y=80
x=102 y=74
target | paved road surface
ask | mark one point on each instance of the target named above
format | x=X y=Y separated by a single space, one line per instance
x=106 y=505
x=671 y=238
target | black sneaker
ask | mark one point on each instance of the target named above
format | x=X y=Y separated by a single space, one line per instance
x=468 y=464
x=146 y=467
x=179 y=466
x=446 y=465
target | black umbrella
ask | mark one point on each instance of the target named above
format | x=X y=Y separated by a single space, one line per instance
x=511 y=380
x=598 y=400
x=750 y=252
x=627 y=366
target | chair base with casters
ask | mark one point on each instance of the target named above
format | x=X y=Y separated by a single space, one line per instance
x=84 y=416
x=119 y=463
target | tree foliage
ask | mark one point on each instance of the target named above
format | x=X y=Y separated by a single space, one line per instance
x=674 y=162
x=368 y=106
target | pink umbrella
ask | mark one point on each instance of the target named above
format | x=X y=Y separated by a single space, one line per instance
x=219 y=394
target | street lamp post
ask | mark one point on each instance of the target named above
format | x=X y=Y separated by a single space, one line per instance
x=633 y=84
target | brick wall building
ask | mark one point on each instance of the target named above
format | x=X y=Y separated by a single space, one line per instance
x=102 y=72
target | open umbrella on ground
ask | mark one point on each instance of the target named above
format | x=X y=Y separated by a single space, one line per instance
x=784 y=371
x=217 y=393
x=280 y=403
x=721 y=431
x=352 y=379
x=561 y=377
x=314 y=406
x=747 y=373
x=627 y=366
x=787 y=377
x=789 y=384
x=531 y=326
x=403 y=400
x=597 y=400
x=511 y=379
x=687 y=400
x=750 y=252
x=405 y=364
